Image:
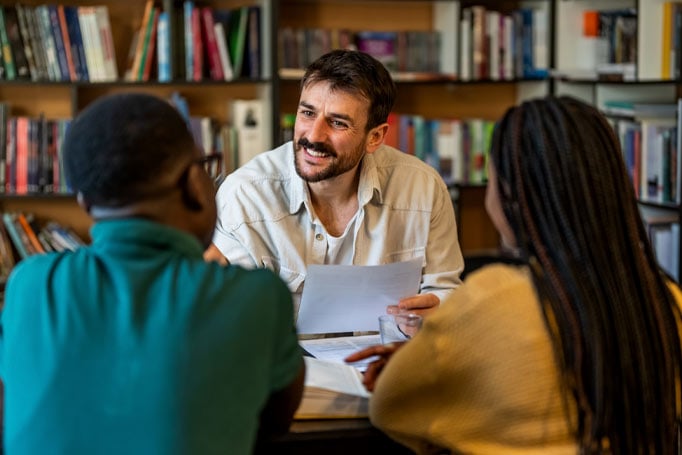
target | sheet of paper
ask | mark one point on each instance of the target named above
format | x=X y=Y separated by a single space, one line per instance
x=350 y=298
x=337 y=349
x=334 y=376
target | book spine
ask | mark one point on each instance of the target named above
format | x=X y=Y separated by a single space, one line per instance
x=73 y=75
x=197 y=46
x=163 y=48
x=148 y=46
x=10 y=71
x=214 y=65
x=43 y=21
x=106 y=47
x=55 y=27
x=14 y=34
x=76 y=40
x=8 y=220
x=26 y=41
x=188 y=6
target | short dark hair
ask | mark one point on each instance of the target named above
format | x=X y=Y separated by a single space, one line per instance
x=356 y=72
x=116 y=147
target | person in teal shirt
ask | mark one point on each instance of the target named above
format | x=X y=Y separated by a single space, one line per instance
x=135 y=344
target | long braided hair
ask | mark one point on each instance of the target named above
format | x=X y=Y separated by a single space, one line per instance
x=614 y=323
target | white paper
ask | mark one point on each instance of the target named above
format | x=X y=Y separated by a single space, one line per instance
x=350 y=298
x=337 y=349
x=334 y=376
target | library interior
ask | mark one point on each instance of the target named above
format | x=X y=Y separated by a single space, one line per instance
x=233 y=69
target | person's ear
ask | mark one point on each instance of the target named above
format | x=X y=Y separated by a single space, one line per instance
x=376 y=137
x=84 y=204
x=193 y=192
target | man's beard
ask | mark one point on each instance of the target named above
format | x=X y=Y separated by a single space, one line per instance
x=336 y=167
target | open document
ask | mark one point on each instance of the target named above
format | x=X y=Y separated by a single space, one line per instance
x=350 y=298
x=332 y=391
x=337 y=349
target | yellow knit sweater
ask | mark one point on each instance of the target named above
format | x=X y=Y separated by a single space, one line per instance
x=480 y=377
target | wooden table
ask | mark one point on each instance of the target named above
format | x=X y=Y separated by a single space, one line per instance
x=332 y=437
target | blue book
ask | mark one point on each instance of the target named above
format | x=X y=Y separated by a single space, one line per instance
x=59 y=43
x=189 y=40
x=77 y=49
x=163 y=55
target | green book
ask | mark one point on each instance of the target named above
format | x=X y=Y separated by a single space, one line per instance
x=237 y=38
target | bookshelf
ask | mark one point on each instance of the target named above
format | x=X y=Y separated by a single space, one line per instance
x=651 y=79
x=62 y=99
x=443 y=94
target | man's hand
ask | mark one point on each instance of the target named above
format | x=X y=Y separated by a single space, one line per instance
x=384 y=351
x=423 y=304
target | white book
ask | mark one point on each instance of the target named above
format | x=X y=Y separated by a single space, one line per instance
x=222 y=51
x=106 y=47
x=465 y=45
x=249 y=121
x=87 y=19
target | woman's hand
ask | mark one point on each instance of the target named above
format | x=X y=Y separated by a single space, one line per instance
x=383 y=351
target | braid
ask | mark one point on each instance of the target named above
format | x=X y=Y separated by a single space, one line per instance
x=614 y=323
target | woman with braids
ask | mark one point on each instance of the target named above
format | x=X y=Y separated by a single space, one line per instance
x=576 y=350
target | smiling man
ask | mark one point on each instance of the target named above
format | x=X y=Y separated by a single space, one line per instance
x=336 y=194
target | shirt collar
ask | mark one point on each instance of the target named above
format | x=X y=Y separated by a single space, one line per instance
x=368 y=188
x=116 y=232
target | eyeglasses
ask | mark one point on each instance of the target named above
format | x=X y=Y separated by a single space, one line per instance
x=213 y=165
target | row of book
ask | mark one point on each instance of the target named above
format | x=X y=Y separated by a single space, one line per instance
x=187 y=41
x=648 y=137
x=457 y=148
x=485 y=43
x=23 y=235
x=30 y=154
x=503 y=46
x=401 y=51
x=57 y=43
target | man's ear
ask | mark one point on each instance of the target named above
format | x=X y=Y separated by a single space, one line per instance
x=193 y=192
x=376 y=137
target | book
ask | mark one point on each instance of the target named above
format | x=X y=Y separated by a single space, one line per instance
x=60 y=45
x=163 y=48
x=29 y=43
x=251 y=66
x=236 y=42
x=16 y=43
x=76 y=42
x=8 y=60
x=221 y=42
x=105 y=50
x=332 y=391
x=249 y=121
x=141 y=40
x=215 y=66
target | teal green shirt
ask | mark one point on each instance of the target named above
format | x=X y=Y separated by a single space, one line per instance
x=135 y=345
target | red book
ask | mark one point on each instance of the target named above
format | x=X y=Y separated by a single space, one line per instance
x=149 y=55
x=198 y=49
x=215 y=66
